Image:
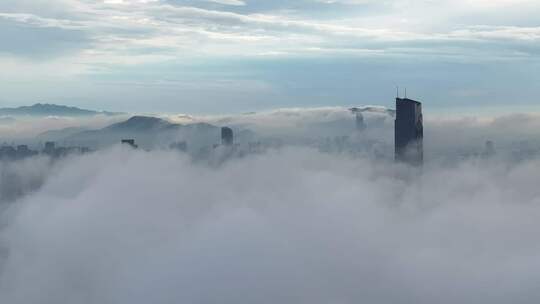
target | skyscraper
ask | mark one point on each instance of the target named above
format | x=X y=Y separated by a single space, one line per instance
x=50 y=148
x=50 y=145
x=129 y=142
x=409 y=131
x=227 y=136
x=360 y=123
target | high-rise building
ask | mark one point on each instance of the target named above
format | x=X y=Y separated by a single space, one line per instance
x=360 y=123
x=489 y=149
x=409 y=131
x=227 y=136
x=50 y=148
x=130 y=142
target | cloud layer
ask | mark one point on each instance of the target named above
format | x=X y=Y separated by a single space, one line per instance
x=514 y=135
x=291 y=226
x=193 y=28
x=185 y=54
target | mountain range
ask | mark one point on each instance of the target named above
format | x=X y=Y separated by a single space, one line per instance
x=147 y=131
x=151 y=132
x=40 y=109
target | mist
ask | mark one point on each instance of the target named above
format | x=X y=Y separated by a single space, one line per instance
x=27 y=128
x=514 y=135
x=22 y=177
x=292 y=225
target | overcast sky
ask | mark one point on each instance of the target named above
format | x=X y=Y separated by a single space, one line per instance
x=205 y=56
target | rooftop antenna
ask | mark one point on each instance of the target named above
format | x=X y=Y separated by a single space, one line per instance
x=405 y=93
x=397 y=91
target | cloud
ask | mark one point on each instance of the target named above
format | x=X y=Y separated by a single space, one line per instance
x=21 y=178
x=228 y=2
x=297 y=123
x=290 y=226
x=27 y=128
x=83 y=44
x=179 y=29
x=514 y=135
x=33 y=37
x=508 y=131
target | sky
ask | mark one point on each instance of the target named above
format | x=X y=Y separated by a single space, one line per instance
x=233 y=56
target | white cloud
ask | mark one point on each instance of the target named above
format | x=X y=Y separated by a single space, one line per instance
x=291 y=226
x=82 y=40
x=180 y=30
x=228 y=2
x=27 y=128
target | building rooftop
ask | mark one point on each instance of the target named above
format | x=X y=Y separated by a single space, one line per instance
x=407 y=100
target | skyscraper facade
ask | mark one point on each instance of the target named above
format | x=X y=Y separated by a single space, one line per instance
x=409 y=132
x=360 y=123
x=227 y=136
x=129 y=142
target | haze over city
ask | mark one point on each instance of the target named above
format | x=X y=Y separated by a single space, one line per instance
x=256 y=151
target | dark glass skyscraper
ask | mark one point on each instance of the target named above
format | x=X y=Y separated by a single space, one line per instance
x=129 y=142
x=409 y=131
x=227 y=136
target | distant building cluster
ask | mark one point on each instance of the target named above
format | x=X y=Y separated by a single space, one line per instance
x=408 y=141
x=355 y=140
x=229 y=148
x=358 y=141
x=225 y=149
x=354 y=146
x=50 y=149
x=19 y=152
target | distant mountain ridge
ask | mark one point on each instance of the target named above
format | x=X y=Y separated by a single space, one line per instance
x=146 y=130
x=45 y=109
x=141 y=123
x=57 y=135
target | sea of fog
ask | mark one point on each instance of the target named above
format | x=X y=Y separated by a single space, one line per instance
x=292 y=225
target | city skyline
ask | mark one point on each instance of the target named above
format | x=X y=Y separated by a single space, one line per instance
x=269 y=151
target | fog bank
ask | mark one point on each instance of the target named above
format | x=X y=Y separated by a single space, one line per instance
x=288 y=226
